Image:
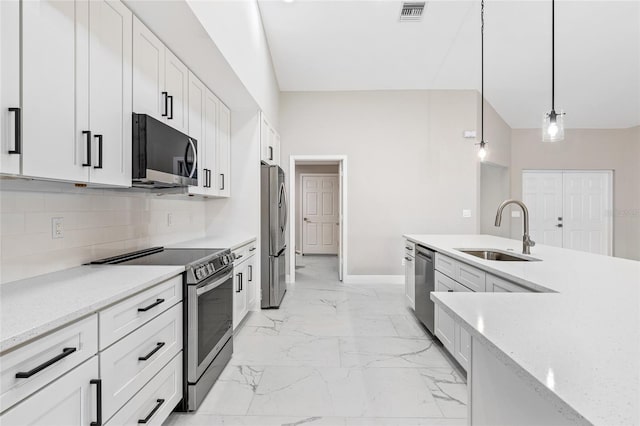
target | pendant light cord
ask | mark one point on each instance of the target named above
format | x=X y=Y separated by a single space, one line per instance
x=553 y=55
x=482 y=71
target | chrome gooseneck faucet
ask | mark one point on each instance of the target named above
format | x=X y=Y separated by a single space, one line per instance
x=527 y=242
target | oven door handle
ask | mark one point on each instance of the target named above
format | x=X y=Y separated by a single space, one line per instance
x=213 y=285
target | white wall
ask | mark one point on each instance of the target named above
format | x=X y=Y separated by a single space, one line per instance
x=97 y=224
x=307 y=168
x=598 y=149
x=236 y=28
x=494 y=189
x=410 y=169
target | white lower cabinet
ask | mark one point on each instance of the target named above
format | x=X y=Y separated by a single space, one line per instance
x=68 y=401
x=130 y=363
x=153 y=404
x=410 y=281
x=444 y=323
x=462 y=342
x=498 y=285
x=246 y=281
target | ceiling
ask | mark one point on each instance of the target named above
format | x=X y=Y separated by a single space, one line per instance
x=361 y=45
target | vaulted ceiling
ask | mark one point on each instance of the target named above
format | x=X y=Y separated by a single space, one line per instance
x=361 y=45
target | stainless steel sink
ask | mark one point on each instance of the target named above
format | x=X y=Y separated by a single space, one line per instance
x=498 y=255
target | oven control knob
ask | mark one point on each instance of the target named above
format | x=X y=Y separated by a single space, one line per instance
x=225 y=260
x=209 y=268
x=199 y=273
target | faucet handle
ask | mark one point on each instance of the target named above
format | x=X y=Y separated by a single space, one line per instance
x=532 y=243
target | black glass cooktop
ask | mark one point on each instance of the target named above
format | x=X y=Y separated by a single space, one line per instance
x=159 y=256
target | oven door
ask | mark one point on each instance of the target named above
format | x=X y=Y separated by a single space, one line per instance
x=210 y=319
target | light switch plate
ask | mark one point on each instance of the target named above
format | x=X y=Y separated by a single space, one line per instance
x=57 y=227
x=466 y=213
x=515 y=213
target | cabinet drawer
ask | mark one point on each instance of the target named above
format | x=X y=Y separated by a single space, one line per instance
x=156 y=400
x=243 y=252
x=471 y=277
x=409 y=248
x=446 y=265
x=129 y=364
x=498 y=285
x=443 y=282
x=46 y=359
x=130 y=314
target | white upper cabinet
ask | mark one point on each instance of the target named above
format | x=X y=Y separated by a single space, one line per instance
x=176 y=84
x=160 y=80
x=10 y=86
x=223 y=162
x=76 y=116
x=110 y=67
x=211 y=108
x=148 y=72
x=269 y=142
x=52 y=146
x=196 y=119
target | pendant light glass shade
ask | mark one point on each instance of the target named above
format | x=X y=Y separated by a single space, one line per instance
x=482 y=151
x=553 y=127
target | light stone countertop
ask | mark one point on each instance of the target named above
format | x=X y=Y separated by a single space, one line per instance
x=578 y=344
x=224 y=241
x=34 y=306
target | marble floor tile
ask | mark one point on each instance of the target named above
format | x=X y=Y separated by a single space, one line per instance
x=349 y=392
x=334 y=355
x=386 y=352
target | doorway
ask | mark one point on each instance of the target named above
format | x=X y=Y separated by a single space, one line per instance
x=571 y=208
x=318 y=206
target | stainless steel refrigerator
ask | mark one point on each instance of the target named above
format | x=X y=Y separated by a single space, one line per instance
x=273 y=215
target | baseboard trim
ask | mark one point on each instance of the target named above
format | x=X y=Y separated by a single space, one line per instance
x=374 y=279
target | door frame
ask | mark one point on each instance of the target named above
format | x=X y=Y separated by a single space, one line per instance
x=343 y=198
x=302 y=175
x=610 y=197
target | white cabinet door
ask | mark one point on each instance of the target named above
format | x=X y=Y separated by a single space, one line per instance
x=148 y=72
x=253 y=283
x=176 y=84
x=70 y=401
x=240 y=308
x=224 y=151
x=266 y=150
x=52 y=146
x=110 y=97
x=410 y=281
x=211 y=107
x=10 y=86
x=276 y=148
x=444 y=323
x=462 y=343
x=196 y=120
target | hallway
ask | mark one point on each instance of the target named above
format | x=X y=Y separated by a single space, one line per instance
x=334 y=354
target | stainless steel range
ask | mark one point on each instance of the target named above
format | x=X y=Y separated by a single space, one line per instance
x=208 y=311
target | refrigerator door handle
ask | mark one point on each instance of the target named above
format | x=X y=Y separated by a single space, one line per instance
x=284 y=203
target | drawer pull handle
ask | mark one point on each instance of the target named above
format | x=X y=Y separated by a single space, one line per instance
x=408 y=248
x=153 y=305
x=240 y=256
x=150 y=354
x=98 y=383
x=26 y=374
x=159 y=403
x=450 y=291
x=252 y=249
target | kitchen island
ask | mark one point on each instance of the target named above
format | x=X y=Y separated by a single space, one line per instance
x=567 y=354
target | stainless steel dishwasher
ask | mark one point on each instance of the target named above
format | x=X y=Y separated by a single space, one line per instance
x=425 y=284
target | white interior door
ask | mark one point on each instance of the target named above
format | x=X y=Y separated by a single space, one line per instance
x=570 y=209
x=542 y=193
x=587 y=207
x=340 y=226
x=320 y=214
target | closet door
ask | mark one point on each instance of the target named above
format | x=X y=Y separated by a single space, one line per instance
x=587 y=224
x=52 y=146
x=110 y=108
x=542 y=193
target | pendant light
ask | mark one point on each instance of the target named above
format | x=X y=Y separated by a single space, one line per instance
x=482 y=151
x=553 y=122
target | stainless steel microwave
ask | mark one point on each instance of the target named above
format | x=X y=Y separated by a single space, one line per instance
x=162 y=157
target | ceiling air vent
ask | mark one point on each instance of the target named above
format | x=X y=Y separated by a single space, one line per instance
x=412 y=11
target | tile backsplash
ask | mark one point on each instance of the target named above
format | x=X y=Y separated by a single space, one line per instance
x=96 y=223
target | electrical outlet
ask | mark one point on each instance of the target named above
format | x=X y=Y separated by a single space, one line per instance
x=169 y=219
x=466 y=213
x=57 y=227
x=515 y=213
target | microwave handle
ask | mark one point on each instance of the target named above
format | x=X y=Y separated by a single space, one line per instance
x=195 y=158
